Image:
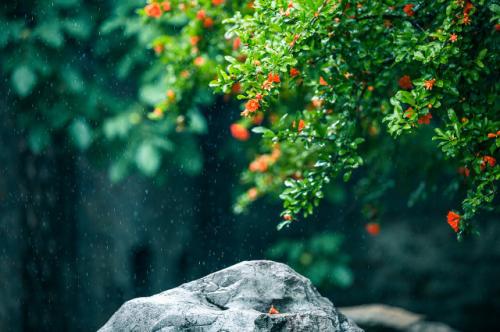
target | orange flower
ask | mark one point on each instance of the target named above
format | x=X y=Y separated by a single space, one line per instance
x=194 y=40
x=236 y=43
x=252 y=193
x=488 y=160
x=466 y=20
x=258 y=118
x=371 y=88
x=273 y=310
x=236 y=88
x=239 y=132
x=453 y=37
x=252 y=105
x=425 y=119
x=316 y=102
x=454 y=220
x=201 y=14
x=373 y=130
x=409 y=113
x=492 y=135
x=267 y=85
x=274 y=78
x=405 y=82
x=158 y=113
x=199 y=61
x=260 y=164
x=322 y=81
x=166 y=6
x=408 y=9
x=158 y=48
x=429 y=84
x=294 y=40
x=208 y=22
x=276 y=153
x=294 y=72
x=271 y=78
x=372 y=228
x=465 y=171
x=468 y=7
x=171 y=95
x=287 y=217
x=217 y=2
x=153 y=10
x=301 y=125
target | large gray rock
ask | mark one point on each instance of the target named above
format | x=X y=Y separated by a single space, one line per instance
x=237 y=298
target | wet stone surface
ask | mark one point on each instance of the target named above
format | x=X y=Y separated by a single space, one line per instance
x=237 y=298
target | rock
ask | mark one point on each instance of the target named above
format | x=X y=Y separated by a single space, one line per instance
x=382 y=318
x=379 y=315
x=237 y=298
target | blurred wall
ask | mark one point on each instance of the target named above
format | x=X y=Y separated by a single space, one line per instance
x=131 y=241
x=10 y=231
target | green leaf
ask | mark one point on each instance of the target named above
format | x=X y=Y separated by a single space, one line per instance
x=50 y=33
x=282 y=224
x=347 y=176
x=38 y=139
x=73 y=80
x=406 y=97
x=342 y=276
x=230 y=59
x=118 y=170
x=117 y=127
x=80 y=133
x=152 y=94
x=197 y=122
x=262 y=130
x=23 y=80
x=452 y=116
x=147 y=159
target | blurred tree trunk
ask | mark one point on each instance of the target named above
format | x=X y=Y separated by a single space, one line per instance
x=49 y=234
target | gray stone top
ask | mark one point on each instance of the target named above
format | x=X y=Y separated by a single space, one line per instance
x=237 y=298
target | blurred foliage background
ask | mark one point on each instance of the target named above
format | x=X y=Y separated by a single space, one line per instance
x=98 y=204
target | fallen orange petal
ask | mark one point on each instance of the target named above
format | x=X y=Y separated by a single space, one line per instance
x=273 y=310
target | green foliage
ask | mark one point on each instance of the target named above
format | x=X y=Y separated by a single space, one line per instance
x=318 y=80
x=325 y=76
x=82 y=75
x=23 y=80
x=320 y=258
x=348 y=69
x=44 y=46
